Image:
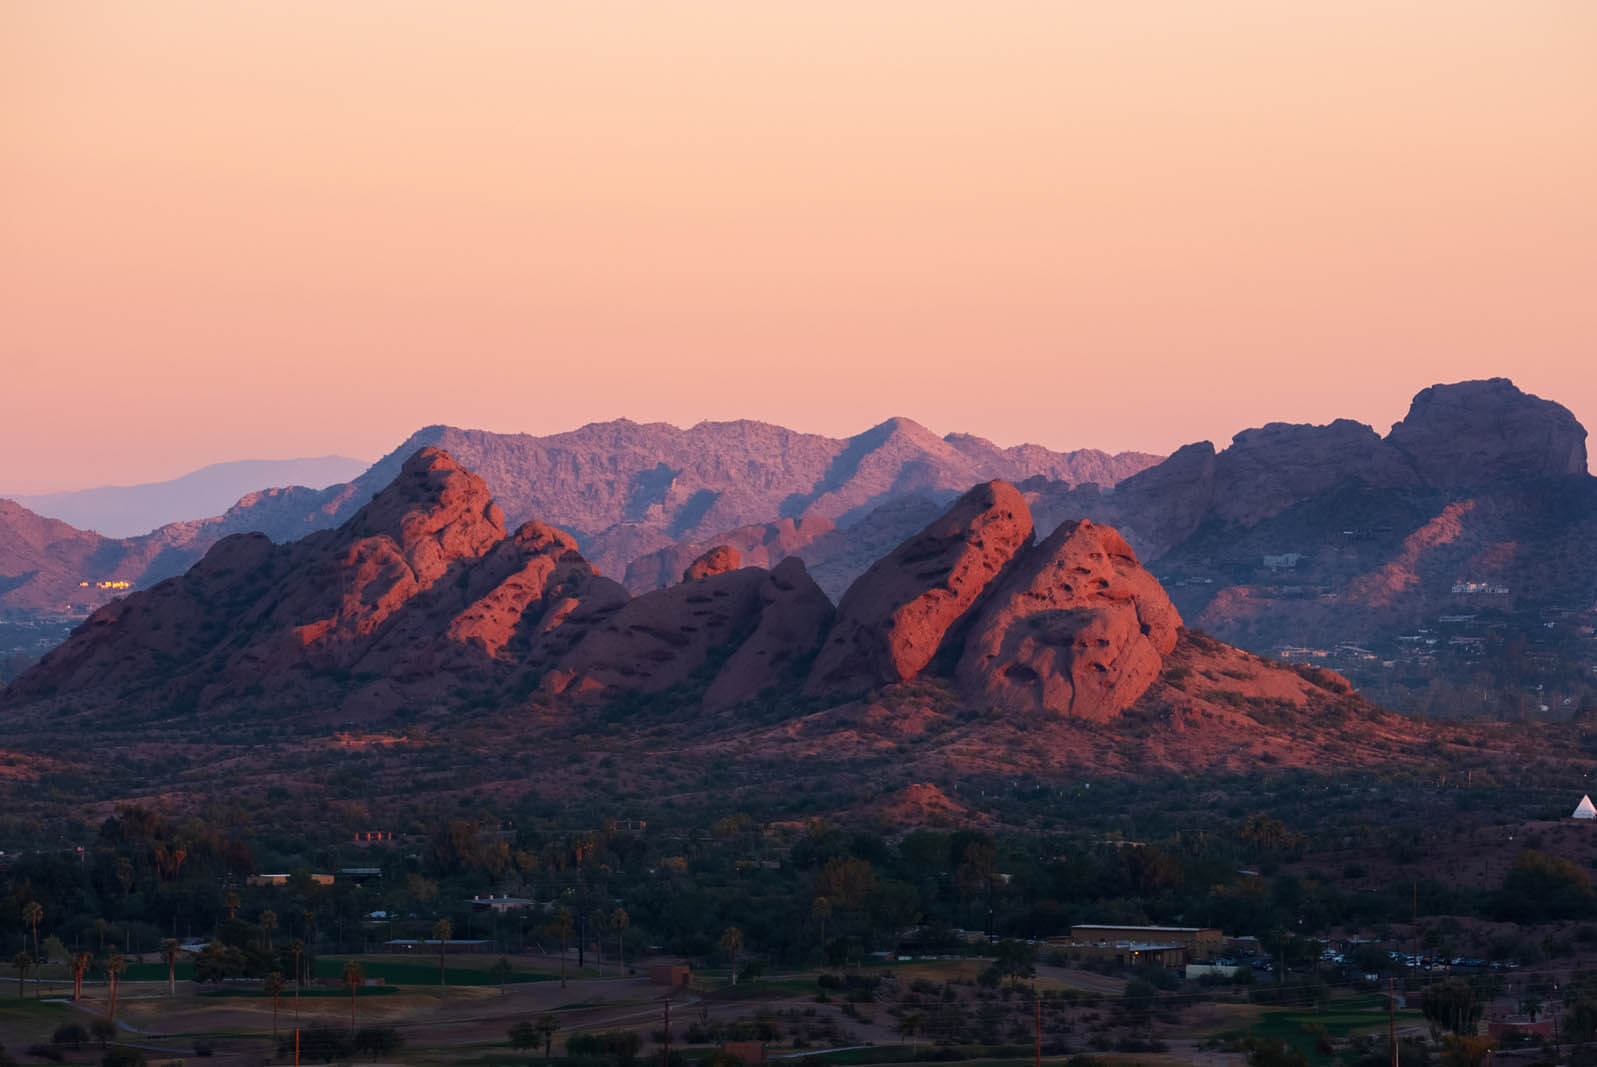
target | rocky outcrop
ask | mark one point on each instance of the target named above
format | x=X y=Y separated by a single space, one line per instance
x=718 y=560
x=1480 y=432
x=1267 y=470
x=661 y=639
x=892 y=621
x=760 y=545
x=794 y=616
x=1077 y=628
x=422 y=580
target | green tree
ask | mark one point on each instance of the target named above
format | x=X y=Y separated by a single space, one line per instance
x=522 y=1035
x=1580 y=1021
x=324 y=1043
x=1016 y=960
x=1270 y=1053
x=268 y=924
x=500 y=971
x=70 y=1034
x=547 y=1026
x=122 y=1056
x=1463 y=1050
x=1452 y=1005
x=379 y=1041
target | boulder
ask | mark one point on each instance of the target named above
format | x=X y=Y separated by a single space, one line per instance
x=1077 y=628
x=718 y=560
x=661 y=639
x=794 y=618
x=895 y=617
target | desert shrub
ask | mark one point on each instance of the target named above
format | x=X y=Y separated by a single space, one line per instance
x=122 y=1056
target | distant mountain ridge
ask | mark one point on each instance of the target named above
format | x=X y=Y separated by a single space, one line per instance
x=621 y=488
x=132 y=510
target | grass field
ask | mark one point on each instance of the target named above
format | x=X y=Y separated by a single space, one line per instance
x=1299 y=1028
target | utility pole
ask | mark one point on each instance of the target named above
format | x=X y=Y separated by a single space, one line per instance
x=666 y=1062
x=1039 y=1031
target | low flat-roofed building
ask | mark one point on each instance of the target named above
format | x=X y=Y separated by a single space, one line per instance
x=283 y=879
x=1196 y=939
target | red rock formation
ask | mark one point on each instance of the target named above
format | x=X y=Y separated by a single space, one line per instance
x=892 y=621
x=1077 y=628
x=794 y=616
x=661 y=639
x=718 y=560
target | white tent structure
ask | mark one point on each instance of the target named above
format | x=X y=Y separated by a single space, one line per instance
x=1584 y=810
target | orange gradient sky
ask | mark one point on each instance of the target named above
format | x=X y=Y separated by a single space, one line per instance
x=268 y=229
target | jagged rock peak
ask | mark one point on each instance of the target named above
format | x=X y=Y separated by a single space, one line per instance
x=718 y=560
x=1077 y=628
x=1479 y=432
x=893 y=619
x=434 y=507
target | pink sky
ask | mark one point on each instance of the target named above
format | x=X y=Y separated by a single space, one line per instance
x=301 y=227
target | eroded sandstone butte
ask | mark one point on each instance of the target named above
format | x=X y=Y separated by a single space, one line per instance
x=1077 y=628
x=894 y=618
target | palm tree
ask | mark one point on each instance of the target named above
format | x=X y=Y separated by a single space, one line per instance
x=352 y=978
x=33 y=915
x=596 y=922
x=820 y=911
x=619 y=921
x=231 y=903
x=272 y=986
x=23 y=963
x=80 y=966
x=268 y=922
x=169 y=949
x=562 y=925
x=731 y=942
x=298 y=948
x=443 y=930
x=115 y=964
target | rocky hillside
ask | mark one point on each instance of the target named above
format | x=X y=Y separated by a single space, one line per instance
x=622 y=489
x=1342 y=546
x=424 y=604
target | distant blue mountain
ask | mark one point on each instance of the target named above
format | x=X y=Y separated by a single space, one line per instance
x=130 y=510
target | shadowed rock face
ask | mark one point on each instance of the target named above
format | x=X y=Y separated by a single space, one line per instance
x=1077 y=628
x=794 y=618
x=892 y=621
x=1477 y=433
x=663 y=638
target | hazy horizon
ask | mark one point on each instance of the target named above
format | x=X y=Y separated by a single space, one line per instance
x=303 y=230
